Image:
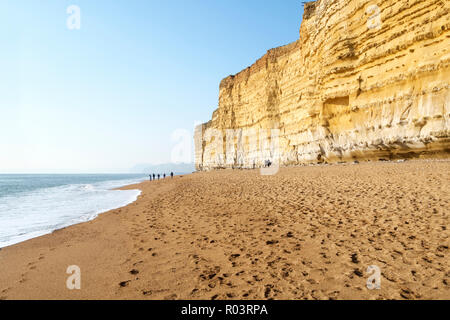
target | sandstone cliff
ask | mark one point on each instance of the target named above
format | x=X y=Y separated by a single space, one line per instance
x=366 y=80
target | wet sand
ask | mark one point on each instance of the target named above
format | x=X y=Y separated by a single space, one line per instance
x=305 y=233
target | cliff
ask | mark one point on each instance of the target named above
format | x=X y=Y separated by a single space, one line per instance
x=366 y=80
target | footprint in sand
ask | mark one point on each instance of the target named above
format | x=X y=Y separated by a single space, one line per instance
x=268 y=291
x=124 y=284
x=137 y=263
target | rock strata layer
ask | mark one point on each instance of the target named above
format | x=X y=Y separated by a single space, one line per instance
x=367 y=80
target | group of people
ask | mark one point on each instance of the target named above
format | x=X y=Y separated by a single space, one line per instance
x=267 y=164
x=153 y=176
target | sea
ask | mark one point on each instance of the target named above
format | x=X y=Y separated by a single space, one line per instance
x=35 y=205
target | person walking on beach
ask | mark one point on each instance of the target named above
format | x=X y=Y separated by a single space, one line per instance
x=150 y=177
x=171 y=175
x=164 y=175
x=154 y=177
x=159 y=176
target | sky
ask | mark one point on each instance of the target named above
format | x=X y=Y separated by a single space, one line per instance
x=115 y=92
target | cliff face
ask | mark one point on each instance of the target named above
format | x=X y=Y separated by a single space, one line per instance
x=365 y=80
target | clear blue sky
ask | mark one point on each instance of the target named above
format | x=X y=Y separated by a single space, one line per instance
x=109 y=96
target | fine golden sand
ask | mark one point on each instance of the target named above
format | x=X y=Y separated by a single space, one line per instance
x=305 y=233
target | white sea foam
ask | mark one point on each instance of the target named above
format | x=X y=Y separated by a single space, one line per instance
x=28 y=215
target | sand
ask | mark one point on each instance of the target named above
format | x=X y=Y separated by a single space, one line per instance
x=305 y=233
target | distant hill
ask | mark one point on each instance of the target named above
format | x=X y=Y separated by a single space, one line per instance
x=181 y=168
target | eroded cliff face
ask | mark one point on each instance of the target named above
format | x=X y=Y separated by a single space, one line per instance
x=366 y=80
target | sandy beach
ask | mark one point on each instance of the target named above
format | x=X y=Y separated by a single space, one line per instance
x=305 y=233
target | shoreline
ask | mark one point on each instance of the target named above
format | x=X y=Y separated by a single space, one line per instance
x=83 y=218
x=238 y=235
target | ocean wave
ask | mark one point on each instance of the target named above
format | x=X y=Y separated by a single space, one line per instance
x=28 y=215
